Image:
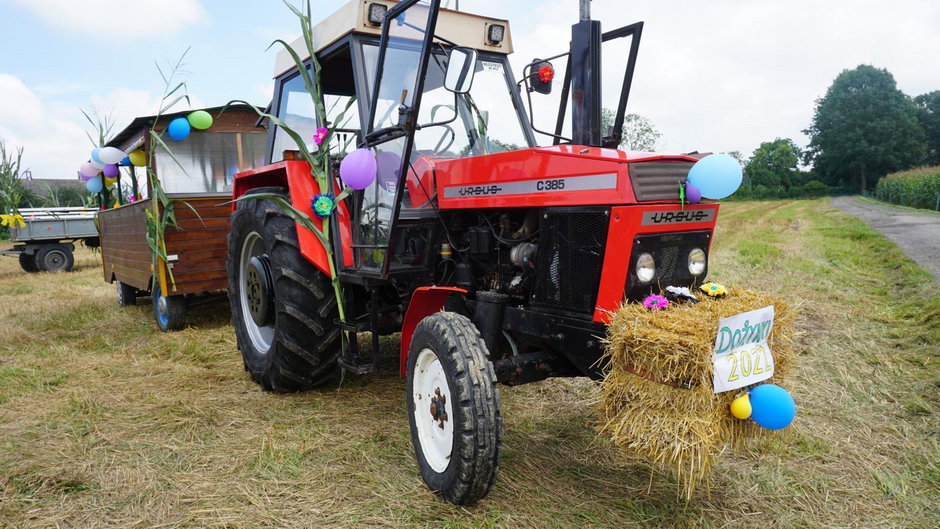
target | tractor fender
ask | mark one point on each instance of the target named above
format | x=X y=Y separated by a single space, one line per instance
x=424 y=302
x=296 y=178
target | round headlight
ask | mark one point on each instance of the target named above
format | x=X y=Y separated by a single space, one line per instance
x=697 y=261
x=645 y=267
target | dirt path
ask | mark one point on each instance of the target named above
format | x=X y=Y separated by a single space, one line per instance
x=916 y=233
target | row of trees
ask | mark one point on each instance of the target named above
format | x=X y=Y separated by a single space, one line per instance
x=862 y=129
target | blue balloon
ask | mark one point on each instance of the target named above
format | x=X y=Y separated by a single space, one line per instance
x=94 y=185
x=126 y=162
x=772 y=407
x=716 y=176
x=95 y=155
x=179 y=129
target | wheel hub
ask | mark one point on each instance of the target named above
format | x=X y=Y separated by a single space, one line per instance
x=258 y=289
x=430 y=392
x=438 y=411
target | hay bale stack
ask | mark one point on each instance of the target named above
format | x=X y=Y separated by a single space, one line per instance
x=657 y=395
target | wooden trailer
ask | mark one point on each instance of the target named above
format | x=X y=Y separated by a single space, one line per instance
x=197 y=184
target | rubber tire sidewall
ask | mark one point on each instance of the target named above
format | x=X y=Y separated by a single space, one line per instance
x=46 y=250
x=175 y=308
x=299 y=357
x=28 y=262
x=464 y=481
x=126 y=294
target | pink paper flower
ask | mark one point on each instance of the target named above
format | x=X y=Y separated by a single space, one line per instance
x=655 y=302
x=320 y=135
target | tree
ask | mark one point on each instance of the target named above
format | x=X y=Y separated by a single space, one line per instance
x=864 y=128
x=774 y=164
x=11 y=188
x=639 y=134
x=928 y=114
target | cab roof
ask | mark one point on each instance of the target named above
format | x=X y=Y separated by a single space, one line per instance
x=465 y=29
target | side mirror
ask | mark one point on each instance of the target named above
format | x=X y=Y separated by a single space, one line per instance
x=541 y=76
x=460 y=69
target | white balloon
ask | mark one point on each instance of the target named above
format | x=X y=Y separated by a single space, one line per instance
x=111 y=155
x=98 y=165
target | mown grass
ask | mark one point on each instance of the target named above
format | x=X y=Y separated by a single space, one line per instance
x=105 y=422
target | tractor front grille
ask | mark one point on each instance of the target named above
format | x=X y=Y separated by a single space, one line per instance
x=670 y=252
x=570 y=257
x=658 y=180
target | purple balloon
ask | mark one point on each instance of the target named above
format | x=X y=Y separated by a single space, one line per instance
x=110 y=171
x=88 y=170
x=388 y=168
x=692 y=194
x=358 y=169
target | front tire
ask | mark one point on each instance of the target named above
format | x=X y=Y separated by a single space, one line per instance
x=28 y=262
x=283 y=307
x=453 y=408
x=169 y=311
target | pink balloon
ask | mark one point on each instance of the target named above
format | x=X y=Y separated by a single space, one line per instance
x=692 y=194
x=110 y=171
x=358 y=169
x=88 y=170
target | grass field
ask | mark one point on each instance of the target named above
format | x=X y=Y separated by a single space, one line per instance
x=105 y=422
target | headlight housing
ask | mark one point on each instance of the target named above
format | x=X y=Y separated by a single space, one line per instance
x=697 y=261
x=645 y=267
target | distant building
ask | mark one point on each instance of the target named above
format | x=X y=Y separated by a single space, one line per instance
x=39 y=185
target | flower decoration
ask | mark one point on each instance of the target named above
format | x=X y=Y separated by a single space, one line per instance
x=322 y=205
x=320 y=135
x=714 y=290
x=680 y=293
x=546 y=74
x=655 y=302
x=14 y=220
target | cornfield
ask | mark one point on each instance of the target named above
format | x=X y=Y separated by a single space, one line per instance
x=916 y=188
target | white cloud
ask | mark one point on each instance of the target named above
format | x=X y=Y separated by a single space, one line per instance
x=118 y=18
x=50 y=141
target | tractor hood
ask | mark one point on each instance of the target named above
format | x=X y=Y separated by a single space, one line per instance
x=567 y=175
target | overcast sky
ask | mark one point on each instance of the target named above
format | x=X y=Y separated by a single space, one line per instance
x=716 y=75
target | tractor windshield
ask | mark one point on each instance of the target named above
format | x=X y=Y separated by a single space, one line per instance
x=483 y=121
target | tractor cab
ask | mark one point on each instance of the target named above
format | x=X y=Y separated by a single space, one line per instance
x=433 y=84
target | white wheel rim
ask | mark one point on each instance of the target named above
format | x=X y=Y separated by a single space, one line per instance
x=435 y=435
x=261 y=337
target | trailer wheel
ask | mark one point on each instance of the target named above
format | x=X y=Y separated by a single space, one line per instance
x=453 y=408
x=126 y=294
x=169 y=311
x=283 y=307
x=28 y=262
x=55 y=258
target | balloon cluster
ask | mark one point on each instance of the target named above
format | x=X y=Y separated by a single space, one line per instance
x=768 y=405
x=102 y=170
x=715 y=176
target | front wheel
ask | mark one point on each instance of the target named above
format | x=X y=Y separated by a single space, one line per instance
x=283 y=307
x=453 y=408
x=28 y=262
x=169 y=311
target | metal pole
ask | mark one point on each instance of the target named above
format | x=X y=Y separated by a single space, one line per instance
x=585 y=9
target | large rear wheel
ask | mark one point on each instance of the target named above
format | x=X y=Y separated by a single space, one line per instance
x=28 y=262
x=283 y=307
x=453 y=408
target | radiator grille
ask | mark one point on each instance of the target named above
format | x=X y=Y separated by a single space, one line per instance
x=658 y=180
x=671 y=253
x=571 y=253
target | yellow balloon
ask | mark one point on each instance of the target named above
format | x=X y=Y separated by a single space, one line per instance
x=741 y=407
x=108 y=182
x=138 y=158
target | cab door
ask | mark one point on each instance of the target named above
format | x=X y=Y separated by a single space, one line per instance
x=407 y=35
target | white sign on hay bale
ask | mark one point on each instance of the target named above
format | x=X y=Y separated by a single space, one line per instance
x=742 y=356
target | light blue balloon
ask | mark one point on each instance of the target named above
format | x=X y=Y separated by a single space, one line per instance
x=95 y=155
x=178 y=129
x=716 y=176
x=772 y=407
x=94 y=185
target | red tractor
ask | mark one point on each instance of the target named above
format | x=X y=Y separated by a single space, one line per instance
x=500 y=262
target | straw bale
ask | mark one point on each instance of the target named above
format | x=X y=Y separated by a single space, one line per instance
x=657 y=400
